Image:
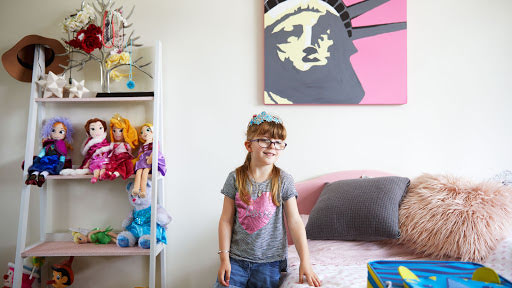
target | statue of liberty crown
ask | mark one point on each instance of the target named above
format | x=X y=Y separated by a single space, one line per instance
x=264 y=116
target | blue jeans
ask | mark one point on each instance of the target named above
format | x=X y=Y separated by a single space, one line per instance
x=246 y=274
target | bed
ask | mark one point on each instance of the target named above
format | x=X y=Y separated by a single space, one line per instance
x=344 y=263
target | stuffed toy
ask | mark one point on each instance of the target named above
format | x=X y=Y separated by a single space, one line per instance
x=96 y=235
x=56 y=134
x=145 y=159
x=27 y=279
x=123 y=138
x=138 y=224
x=62 y=274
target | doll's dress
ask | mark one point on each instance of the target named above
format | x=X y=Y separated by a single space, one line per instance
x=145 y=151
x=98 y=161
x=120 y=160
x=141 y=225
x=54 y=149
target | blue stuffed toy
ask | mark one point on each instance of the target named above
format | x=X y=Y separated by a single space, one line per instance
x=137 y=226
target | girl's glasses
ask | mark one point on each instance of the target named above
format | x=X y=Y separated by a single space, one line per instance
x=265 y=143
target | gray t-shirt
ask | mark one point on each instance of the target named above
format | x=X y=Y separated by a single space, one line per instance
x=259 y=234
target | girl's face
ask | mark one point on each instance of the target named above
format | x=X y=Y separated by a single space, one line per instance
x=118 y=134
x=263 y=149
x=146 y=134
x=96 y=129
x=58 y=132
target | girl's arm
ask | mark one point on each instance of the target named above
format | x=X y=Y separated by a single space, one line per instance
x=225 y=229
x=298 y=233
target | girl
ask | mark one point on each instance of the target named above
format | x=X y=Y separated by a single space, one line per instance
x=252 y=235
x=96 y=130
x=145 y=159
x=56 y=134
x=123 y=139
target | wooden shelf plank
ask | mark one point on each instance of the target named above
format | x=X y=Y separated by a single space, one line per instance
x=70 y=248
x=87 y=176
x=93 y=99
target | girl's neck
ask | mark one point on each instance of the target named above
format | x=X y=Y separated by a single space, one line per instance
x=260 y=173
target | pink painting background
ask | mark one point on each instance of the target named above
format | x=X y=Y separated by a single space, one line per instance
x=381 y=60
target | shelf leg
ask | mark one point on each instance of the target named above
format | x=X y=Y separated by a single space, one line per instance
x=43 y=196
x=22 y=235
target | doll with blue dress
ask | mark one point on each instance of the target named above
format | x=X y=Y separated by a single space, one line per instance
x=57 y=138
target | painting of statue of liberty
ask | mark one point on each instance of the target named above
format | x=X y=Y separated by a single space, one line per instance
x=335 y=52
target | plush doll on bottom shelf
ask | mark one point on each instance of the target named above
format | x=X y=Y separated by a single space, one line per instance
x=138 y=224
x=96 y=235
x=62 y=274
x=145 y=159
x=123 y=138
x=56 y=134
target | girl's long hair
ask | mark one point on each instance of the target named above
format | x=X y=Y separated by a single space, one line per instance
x=266 y=129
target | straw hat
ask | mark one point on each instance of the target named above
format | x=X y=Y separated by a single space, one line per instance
x=18 y=60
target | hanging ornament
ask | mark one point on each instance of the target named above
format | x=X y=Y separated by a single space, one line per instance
x=130 y=84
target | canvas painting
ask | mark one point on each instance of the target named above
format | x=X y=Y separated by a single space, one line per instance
x=335 y=52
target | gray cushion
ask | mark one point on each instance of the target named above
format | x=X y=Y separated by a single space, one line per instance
x=358 y=209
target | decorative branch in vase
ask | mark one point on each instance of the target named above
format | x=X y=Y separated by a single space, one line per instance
x=97 y=33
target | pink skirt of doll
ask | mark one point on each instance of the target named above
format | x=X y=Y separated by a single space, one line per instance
x=121 y=163
x=98 y=162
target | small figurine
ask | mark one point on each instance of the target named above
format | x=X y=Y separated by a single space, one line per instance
x=145 y=159
x=96 y=130
x=62 y=274
x=138 y=224
x=56 y=134
x=96 y=235
x=26 y=280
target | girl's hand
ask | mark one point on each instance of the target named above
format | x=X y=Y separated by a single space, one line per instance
x=224 y=272
x=311 y=277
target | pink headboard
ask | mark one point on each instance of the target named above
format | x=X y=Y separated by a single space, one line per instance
x=309 y=190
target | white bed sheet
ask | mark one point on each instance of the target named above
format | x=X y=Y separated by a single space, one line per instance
x=343 y=263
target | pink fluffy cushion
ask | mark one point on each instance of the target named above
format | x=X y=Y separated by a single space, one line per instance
x=446 y=216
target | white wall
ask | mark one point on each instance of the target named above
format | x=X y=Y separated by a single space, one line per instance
x=456 y=120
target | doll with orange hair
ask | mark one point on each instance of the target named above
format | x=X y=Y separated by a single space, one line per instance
x=145 y=160
x=56 y=134
x=123 y=138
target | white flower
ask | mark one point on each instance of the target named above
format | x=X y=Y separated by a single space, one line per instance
x=77 y=22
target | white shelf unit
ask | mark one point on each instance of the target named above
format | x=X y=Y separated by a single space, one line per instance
x=61 y=244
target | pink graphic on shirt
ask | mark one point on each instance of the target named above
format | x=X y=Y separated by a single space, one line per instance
x=253 y=217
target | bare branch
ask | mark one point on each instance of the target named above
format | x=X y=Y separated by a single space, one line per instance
x=130 y=14
x=134 y=66
x=96 y=9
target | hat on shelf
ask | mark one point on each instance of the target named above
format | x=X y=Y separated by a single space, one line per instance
x=18 y=60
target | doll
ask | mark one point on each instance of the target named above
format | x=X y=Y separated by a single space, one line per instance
x=56 y=134
x=138 y=224
x=96 y=235
x=145 y=159
x=123 y=138
x=62 y=275
x=96 y=130
x=27 y=277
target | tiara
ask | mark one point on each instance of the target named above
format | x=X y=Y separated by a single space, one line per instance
x=263 y=116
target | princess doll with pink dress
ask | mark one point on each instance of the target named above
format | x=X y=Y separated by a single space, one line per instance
x=145 y=160
x=56 y=134
x=96 y=130
x=123 y=138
